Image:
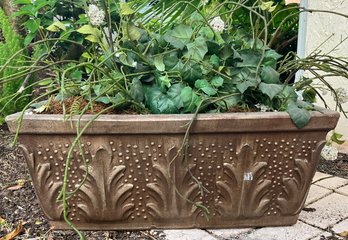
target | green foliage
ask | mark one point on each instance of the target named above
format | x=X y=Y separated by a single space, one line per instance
x=191 y=57
x=10 y=44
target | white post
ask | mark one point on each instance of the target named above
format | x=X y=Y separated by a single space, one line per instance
x=302 y=36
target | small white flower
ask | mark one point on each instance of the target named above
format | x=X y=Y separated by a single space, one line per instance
x=204 y=2
x=262 y=107
x=217 y=24
x=135 y=64
x=342 y=95
x=96 y=15
x=329 y=153
x=117 y=55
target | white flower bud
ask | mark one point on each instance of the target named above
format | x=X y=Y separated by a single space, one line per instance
x=135 y=64
x=96 y=15
x=342 y=95
x=329 y=153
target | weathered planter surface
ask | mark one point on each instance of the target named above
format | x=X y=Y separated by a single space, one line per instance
x=256 y=168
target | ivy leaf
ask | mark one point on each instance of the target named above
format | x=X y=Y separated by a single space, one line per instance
x=271 y=90
x=180 y=36
x=191 y=72
x=92 y=32
x=136 y=90
x=197 y=49
x=250 y=58
x=269 y=75
x=205 y=86
x=246 y=79
x=170 y=61
x=190 y=100
x=299 y=116
x=125 y=9
x=217 y=81
x=56 y=26
x=158 y=102
x=174 y=93
x=336 y=138
x=309 y=95
x=159 y=64
x=215 y=60
x=229 y=102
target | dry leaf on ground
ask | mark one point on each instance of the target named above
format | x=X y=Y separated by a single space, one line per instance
x=19 y=184
x=343 y=234
x=2 y=221
x=14 y=233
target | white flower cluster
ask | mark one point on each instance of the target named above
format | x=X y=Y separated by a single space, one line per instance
x=342 y=95
x=96 y=15
x=217 y=24
x=329 y=153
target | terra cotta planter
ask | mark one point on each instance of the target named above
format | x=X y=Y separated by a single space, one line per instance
x=256 y=168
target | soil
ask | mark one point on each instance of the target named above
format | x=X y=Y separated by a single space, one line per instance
x=75 y=105
x=18 y=202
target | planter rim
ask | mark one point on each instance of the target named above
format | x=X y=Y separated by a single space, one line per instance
x=171 y=123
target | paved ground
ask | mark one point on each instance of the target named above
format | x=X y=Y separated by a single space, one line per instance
x=326 y=215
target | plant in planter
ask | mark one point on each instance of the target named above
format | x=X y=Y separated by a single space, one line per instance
x=170 y=165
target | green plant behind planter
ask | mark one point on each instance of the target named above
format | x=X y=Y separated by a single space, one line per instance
x=10 y=43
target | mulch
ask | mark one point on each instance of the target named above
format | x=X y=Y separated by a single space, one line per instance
x=18 y=202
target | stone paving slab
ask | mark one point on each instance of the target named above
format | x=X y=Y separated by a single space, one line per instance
x=319 y=175
x=327 y=235
x=332 y=183
x=300 y=231
x=188 y=234
x=341 y=227
x=229 y=233
x=316 y=193
x=342 y=190
x=328 y=211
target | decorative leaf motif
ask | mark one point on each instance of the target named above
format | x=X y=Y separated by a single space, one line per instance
x=104 y=198
x=45 y=186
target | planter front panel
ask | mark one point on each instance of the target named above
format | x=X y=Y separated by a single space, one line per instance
x=140 y=181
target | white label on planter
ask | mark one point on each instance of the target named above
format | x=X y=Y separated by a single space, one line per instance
x=248 y=176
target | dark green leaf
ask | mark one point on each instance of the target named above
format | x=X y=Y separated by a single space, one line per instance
x=217 y=81
x=174 y=93
x=136 y=90
x=197 y=49
x=206 y=87
x=170 y=61
x=299 y=116
x=309 y=95
x=192 y=72
x=269 y=75
x=180 y=36
x=215 y=61
x=190 y=99
x=159 y=64
x=271 y=90
x=159 y=102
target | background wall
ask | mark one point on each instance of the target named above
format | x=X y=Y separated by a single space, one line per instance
x=320 y=27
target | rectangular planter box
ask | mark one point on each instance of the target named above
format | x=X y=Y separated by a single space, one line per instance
x=255 y=169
